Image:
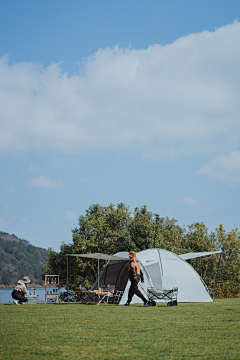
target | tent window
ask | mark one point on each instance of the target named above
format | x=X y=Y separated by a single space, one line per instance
x=154 y=272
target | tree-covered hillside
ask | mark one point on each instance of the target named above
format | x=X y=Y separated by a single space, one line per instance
x=19 y=258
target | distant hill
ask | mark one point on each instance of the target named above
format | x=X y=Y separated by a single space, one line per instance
x=19 y=258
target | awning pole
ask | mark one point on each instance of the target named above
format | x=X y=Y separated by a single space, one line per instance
x=216 y=275
x=67 y=280
x=98 y=276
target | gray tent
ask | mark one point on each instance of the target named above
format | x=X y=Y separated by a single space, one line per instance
x=162 y=269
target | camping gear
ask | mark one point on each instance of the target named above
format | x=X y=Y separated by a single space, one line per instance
x=52 y=281
x=100 y=295
x=97 y=256
x=51 y=300
x=32 y=299
x=117 y=296
x=106 y=294
x=162 y=270
x=154 y=294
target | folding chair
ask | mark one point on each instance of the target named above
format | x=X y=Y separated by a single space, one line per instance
x=111 y=289
x=117 y=296
x=165 y=294
x=109 y=292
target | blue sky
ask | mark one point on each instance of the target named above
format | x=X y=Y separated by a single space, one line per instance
x=108 y=102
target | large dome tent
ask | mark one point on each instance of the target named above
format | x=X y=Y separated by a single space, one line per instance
x=168 y=270
x=162 y=269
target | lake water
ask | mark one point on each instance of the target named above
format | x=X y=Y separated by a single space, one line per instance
x=6 y=293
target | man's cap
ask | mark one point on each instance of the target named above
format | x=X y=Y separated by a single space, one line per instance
x=132 y=253
x=26 y=280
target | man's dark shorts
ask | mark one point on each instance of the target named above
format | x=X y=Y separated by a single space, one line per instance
x=17 y=295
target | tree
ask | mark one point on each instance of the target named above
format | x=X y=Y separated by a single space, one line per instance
x=228 y=281
x=197 y=239
x=102 y=229
x=149 y=230
x=112 y=229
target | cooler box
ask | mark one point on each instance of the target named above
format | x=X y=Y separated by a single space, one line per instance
x=32 y=299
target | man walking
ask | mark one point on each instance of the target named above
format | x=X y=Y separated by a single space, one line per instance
x=135 y=274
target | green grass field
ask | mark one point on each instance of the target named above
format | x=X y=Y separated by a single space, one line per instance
x=76 y=331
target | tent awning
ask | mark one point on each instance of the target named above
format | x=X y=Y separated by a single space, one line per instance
x=100 y=256
x=197 y=254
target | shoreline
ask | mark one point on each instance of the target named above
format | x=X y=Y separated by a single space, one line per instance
x=13 y=286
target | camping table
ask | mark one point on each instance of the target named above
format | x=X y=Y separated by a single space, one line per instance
x=92 y=293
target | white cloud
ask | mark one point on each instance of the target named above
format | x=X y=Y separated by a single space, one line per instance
x=13 y=220
x=33 y=168
x=11 y=190
x=4 y=223
x=70 y=216
x=45 y=182
x=4 y=178
x=179 y=99
x=23 y=220
x=189 y=201
x=193 y=205
x=225 y=168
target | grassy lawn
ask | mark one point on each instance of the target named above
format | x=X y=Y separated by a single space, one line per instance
x=74 y=331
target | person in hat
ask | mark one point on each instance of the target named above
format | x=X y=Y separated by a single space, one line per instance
x=135 y=274
x=20 y=290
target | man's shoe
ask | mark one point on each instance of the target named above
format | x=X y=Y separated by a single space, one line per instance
x=127 y=304
x=15 y=302
x=146 y=304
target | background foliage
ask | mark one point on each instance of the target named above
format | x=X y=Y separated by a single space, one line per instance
x=19 y=258
x=112 y=229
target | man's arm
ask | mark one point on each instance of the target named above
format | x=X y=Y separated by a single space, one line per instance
x=141 y=276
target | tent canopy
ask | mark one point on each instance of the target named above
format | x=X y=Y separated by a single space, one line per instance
x=189 y=256
x=100 y=256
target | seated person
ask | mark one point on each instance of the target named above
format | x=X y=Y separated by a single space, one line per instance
x=20 y=290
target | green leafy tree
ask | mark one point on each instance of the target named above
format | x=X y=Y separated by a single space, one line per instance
x=197 y=239
x=228 y=281
x=102 y=229
x=113 y=229
x=149 y=230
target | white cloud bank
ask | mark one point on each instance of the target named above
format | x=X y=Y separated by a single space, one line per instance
x=189 y=201
x=195 y=206
x=13 y=220
x=225 y=168
x=71 y=216
x=45 y=182
x=68 y=215
x=180 y=99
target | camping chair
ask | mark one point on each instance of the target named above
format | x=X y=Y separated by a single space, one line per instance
x=111 y=289
x=109 y=292
x=118 y=295
x=156 y=294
